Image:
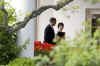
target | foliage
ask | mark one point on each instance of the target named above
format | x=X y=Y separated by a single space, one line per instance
x=9 y=50
x=93 y=1
x=11 y=13
x=41 y=60
x=1 y=17
x=36 y=61
x=85 y=51
x=22 y=62
x=8 y=47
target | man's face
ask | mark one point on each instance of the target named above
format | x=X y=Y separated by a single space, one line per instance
x=53 y=22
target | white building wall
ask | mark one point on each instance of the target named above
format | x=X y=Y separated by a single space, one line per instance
x=43 y=19
x=72 y=24
x=27 y=33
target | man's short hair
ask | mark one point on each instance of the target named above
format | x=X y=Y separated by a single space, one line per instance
x=61 y=24
x=52 y=19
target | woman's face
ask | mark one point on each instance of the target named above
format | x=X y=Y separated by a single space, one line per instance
x=60 y=28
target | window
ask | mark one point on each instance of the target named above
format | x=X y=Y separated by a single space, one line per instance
x=95 y=23
x=93 y=14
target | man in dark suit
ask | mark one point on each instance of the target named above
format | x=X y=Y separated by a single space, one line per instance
x=49 y=33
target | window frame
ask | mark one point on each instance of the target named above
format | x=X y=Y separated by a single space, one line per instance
x=90 y=12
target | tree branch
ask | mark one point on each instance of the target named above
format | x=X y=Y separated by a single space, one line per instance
x=37 y=12
x=5 y=16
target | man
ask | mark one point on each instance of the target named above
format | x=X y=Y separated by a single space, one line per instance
x=49 y=33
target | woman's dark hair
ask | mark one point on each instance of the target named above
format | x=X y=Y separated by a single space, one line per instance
x=61 y=24
x=52 y=19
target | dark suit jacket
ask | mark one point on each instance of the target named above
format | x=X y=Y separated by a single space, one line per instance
x=49 y=34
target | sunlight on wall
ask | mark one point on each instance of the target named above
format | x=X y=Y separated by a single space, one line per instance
x=27 y=33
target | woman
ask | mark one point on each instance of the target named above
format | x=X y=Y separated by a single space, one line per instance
x=60 y=35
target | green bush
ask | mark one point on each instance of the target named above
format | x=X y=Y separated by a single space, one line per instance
x=22 y=62
x=84 y=52
x=8 y=47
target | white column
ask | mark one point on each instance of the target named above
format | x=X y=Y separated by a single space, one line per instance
x=24 y=6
